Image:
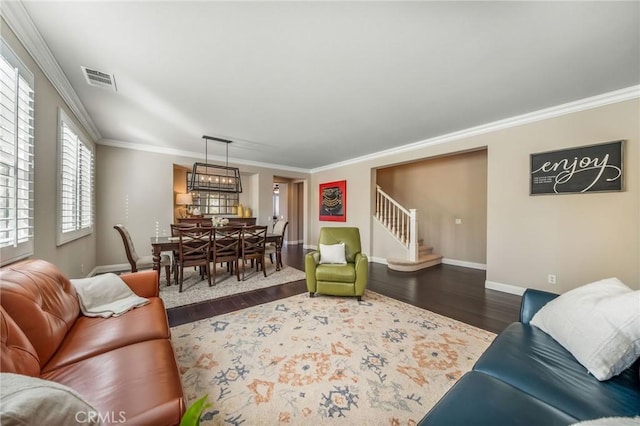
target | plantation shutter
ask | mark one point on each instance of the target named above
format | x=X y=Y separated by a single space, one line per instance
x=76 y=183
x=16 y=158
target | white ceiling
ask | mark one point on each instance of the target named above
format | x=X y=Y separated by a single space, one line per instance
x=307 y=84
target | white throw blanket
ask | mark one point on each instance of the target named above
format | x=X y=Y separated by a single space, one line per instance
x=106 y=295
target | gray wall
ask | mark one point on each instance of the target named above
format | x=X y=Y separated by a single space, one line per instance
x=76 y=258
x=443 y=189
x=136 y=188
x=579 y=237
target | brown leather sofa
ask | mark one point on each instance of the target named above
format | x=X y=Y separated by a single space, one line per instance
x=118 y=364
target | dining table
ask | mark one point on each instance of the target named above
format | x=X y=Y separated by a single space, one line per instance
x=166 y=243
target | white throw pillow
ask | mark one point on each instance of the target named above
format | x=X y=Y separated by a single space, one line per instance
x=611 y=421
x=332 y=253
x=32 y=401
x=598 y=323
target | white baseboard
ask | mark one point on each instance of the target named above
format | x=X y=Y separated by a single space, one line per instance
x=380 y=260
x=464 y=264
x=505 y=288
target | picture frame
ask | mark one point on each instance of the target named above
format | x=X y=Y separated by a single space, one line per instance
x=584 y=169
x=332 y=203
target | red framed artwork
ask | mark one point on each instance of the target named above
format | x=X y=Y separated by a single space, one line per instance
x=333 y=201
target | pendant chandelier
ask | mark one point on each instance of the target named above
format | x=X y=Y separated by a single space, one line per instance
x=212 y=177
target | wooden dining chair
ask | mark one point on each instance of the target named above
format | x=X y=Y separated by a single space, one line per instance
x=252 y=246
x=279 y=228
x=194 y=249
x=226 y=249
x=141 y=262
x=174 y=233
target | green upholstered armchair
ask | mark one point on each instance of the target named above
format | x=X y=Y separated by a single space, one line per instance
x=348 y=279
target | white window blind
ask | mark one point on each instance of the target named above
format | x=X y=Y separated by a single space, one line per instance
x=76 y=183
x=16 y=157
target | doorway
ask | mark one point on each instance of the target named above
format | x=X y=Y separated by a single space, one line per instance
x=288 y=204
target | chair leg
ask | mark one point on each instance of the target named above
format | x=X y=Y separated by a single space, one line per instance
x=359 y=298
x=264 y=270
x=167 y=270
x=271 y=257
x=312 y=294
x=181 y=278
x=208 y=268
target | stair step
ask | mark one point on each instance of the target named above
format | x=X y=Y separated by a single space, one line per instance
x=423 y=250
x=424 y=261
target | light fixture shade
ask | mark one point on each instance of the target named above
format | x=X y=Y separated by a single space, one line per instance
x=184 y=199
x=211 y=177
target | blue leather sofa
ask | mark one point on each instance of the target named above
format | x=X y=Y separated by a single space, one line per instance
x=527 y=378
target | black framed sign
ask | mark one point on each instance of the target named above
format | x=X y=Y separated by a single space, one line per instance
x=592 y=168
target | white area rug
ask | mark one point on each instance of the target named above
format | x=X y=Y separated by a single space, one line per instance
x=196 y=290
x=324 y=361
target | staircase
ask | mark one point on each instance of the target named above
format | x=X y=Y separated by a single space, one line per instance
x=402 y=224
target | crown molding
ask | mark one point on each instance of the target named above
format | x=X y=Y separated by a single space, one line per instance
x=190 y=154
x=22 y=25
x=616 y=96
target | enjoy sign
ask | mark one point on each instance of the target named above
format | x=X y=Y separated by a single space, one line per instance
x=594 y=168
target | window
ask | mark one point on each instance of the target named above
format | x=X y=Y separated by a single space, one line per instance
x=16 y=157
x=75 y=188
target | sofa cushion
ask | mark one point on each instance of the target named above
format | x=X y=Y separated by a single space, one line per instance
x=91 y=336
x=529 y=359
x=139 y=381
x=17 y=354
x=32 y=401
x=478 y=399
x=42 y=302
x=599 y=323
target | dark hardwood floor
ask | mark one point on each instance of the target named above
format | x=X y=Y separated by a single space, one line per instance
x=451 y=291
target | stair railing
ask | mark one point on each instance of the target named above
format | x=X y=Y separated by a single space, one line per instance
x=401 y=222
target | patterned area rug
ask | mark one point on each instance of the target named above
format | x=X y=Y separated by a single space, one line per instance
x=324 y=360
x=196 y=290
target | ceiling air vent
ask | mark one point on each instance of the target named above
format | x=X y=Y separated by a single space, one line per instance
x=99 y=78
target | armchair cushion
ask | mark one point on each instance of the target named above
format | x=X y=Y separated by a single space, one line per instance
x=332 y=253
x=337 y=273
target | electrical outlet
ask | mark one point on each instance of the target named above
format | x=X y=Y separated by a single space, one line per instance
x=458 y=221
x=551 y=279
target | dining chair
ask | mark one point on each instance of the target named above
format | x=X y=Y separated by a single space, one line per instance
x=226 y=248
x=252 y=246
x=144 y=262
x=174 y=233
x=194 y=249
x=279 y=228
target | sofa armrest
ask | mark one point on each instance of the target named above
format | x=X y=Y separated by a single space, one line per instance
x=143 y=283
x=532 y=301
